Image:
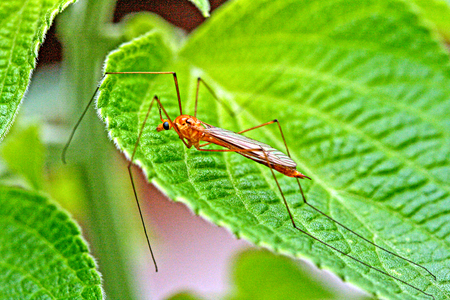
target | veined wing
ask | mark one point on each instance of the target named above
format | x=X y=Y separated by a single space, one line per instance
x=236 y=140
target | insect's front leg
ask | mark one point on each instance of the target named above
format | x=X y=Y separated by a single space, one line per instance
x=188 y=143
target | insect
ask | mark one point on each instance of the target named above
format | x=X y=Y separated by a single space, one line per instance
x=195 y=133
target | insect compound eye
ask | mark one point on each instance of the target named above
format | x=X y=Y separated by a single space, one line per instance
x=166 y=125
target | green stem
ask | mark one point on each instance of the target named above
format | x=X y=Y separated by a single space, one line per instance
x=86 y=34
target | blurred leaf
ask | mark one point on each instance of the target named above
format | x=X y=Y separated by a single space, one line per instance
x=42 y=252
x=140 y=23
x=184 y=296
x=438 y=12
x=362 y=91
x=23 y=26
x=264 y=276
x=65 y=186
x=203 y=6
x=24 y=154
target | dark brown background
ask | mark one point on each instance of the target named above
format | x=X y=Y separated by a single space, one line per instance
x=181 y=13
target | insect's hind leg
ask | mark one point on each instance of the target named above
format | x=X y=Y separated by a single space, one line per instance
x=325 y=243
x=318 y=210
x=360 y=236
x=130 y=163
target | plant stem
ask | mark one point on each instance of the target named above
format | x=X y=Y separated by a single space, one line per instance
x=86 y=36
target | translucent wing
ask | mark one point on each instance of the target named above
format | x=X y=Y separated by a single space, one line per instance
x=235 y=140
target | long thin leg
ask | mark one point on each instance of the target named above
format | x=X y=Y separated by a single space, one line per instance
x=325 y=215
x=157 y=73
x=133 y=185
x=63 y=154
x=64 y=151
x=326 y=244
x=66 y=146
x=200 y=80
x=360 y=236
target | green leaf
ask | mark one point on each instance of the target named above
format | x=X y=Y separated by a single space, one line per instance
x=23 y=26
x=362 y=91
x=262 y=275
x=42 y=253
x=24 y=153
x=203 y=6
x=437 y=12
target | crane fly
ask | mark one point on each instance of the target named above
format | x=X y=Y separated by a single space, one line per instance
x=192 y=131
